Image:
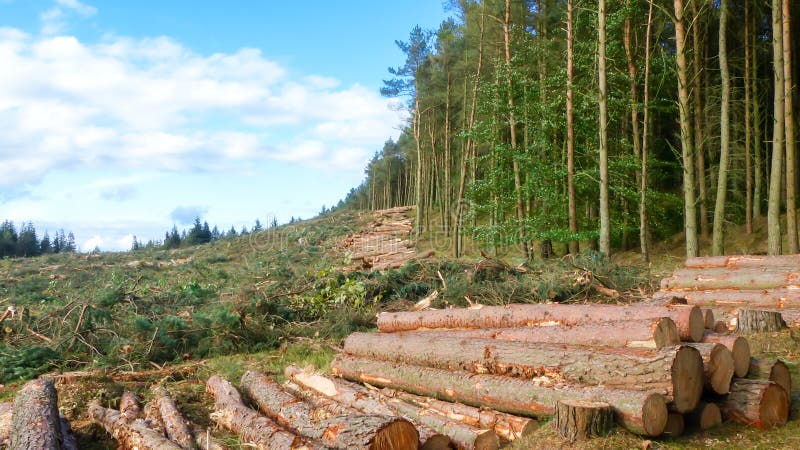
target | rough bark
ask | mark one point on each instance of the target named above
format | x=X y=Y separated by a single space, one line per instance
x=725 y=278
x=176 y=426
x=35 y=423
x=578 y=420
x=766 y=298
x=507 y=426
x=763 y=404
x=253 y=428
x=739 y=347
x=704 y=417
x=602 y=101
x=350 y=431
x=689 y=320
x=759 y=321
x=773 y=370
x=788 y=95
x=676 y=424
x=646 y=333
x=640 y=412
x=572 y=212
x=129 y=434
x=741 y=261
x=152 y=416
x=717 y=367
x=6 y=412
x=676 y=372
x=778 y=134
x=129 y=405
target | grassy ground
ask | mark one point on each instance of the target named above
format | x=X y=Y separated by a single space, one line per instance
x=270 y=299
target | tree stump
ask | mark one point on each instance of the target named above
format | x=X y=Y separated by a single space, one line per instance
x=759 y=321
x=578 y=420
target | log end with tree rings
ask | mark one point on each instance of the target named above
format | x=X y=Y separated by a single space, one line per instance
x=772 y=370
x=654 y=415
x=397 y=434
x=579 y=420
x=687 y=379
x=696 y=324
x=675 y=425
x=739 y=347
x=666 y=333
x=709 y=320
x=704 y=417
x=763 y=404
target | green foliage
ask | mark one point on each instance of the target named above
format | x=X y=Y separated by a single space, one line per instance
x=332 y=291
x=26 y=363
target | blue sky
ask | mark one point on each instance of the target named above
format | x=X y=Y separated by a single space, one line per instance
x=124 y=118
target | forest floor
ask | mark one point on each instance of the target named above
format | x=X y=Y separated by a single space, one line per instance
x=289 y=296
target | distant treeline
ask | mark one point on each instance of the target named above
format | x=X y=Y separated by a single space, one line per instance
x=26 y=242
x=200 y=233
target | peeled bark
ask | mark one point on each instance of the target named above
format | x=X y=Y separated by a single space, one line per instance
x=640 y=412
x=253 y=428
x=351 y=431
x=675 y=425
x=176 y=426
x=746 y=297
x=646 y=333
x=129 y=434
x=35 y=423
x=689 y=320
x=152 y=416
x=759 y=321
x=318 y=401
x=763 y=404
x=6 y=412
x=740 y=261
x=771 y=370
x=704 y=417
x=717 y=367
x=739 y=347
x=674 y=371
x=578 y=420
x=508 y=427
x=129 y=405
x=723 y=278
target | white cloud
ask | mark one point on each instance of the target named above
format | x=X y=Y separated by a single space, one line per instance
x=80 y=8
x=91 y=243
x=156 y=104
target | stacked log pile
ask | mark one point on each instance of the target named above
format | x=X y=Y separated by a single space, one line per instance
x=655 y=369
x=384 y=243
x=750 y=293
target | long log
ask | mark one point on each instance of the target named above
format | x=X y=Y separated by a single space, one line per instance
x=676 y=371
x=6 y=412
x=638 y=411
x=771 y=370
x=152 y=416
x=739 y=347
x=129 y=405
x=579 y=420
x=689 y=319
x=253 y=428
x=718 y=366
x=374 y=432
x=724 y=278
x=130 y=434
x=763 y=404
x=646 y=333
x=35 y=423
x=740 y=261
x=704 y=417
x=759 y=321
x=341 y=397
x=507 y=426
x=738 y=297
x=176 y=426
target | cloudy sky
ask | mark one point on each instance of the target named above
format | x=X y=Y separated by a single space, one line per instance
x=124 y=118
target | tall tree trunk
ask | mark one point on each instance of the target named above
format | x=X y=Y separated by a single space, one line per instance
x=605 y=219
x=774 y=205
x=791 y=179
x=748 y=126
x=573 y=213
x=418 y=186
x=635 y=133
x=447 y=156
x=758 y=170
x=512 y=127
x=644 y=236
x=699 y=118
x=717 y=245
x=690 y=214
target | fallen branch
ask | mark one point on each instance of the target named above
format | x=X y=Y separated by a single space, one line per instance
x=177 y=428
x=130 y=434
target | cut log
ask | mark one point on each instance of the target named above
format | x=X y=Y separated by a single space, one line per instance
x=771 y=370
x=507 y=426
x=579 y=420
x=375 y=432
x=129 y=405
x=739 y=261
x=130 y=434
x=35 y=423
x=675 y=425
x=763 y=404
x=638 y=411
x=724 y=278
x=69 y=440
x=718 y=366
x=739 y=297
x=176 y=426
x=319 y=401
x=676 y=371
x=739 y=347
x=6 y=412
x=152 y=416
x=708 y=315
x=759 y=321
x=646 y=333
x=341 y=397
x=253 y=428
x=704 y=417
x=689 y=319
